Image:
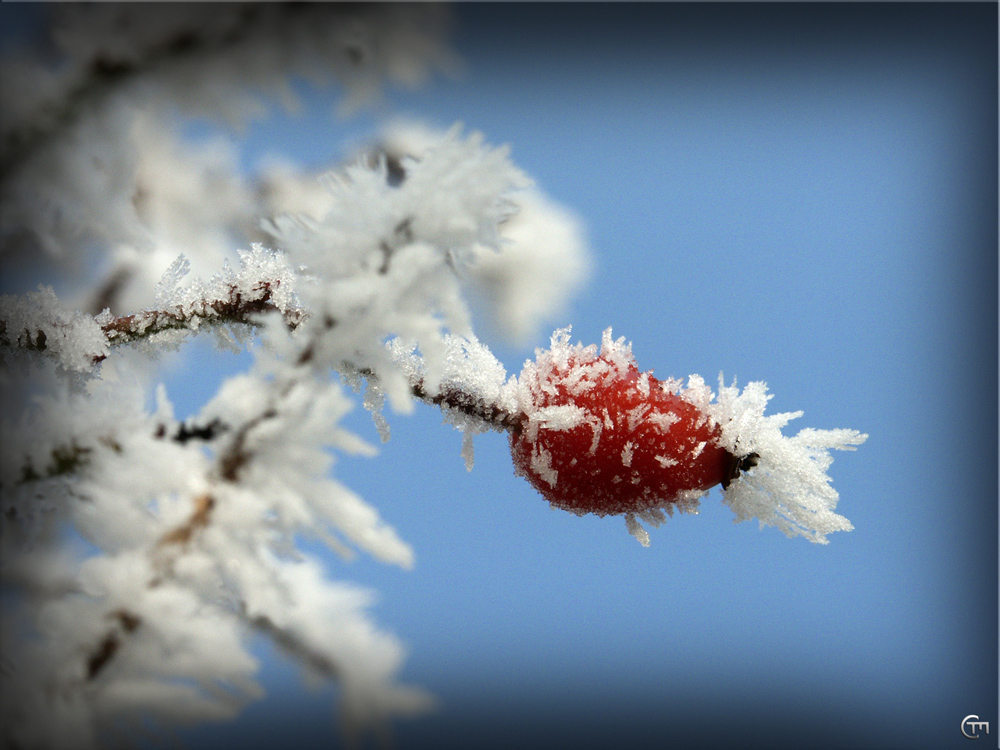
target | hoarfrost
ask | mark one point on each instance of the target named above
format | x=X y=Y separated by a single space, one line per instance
x=789 y=487
x=195 y=525
x=541 y=463
x=664 y=420
x=167 y=293
x=644 y=384
x=469 y=373
x=544 y=257
x=608 y=423
x=627 y=454
x=656 y=517
x=36 y=321
x=636 y=530
x=637 y=415
x=562 y=417
x=598 y=429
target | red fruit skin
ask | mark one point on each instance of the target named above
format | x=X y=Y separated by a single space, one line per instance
x=659 y=449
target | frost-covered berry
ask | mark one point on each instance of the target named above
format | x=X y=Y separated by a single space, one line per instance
x=594 y=435
x=597 y=436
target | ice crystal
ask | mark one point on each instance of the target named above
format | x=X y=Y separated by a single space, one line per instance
x=789 y=488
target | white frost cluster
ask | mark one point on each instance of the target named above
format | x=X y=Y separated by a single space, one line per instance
x=544 y=262
x=215 y=529
x=590 y=367
x=76 y=342
x=143 y=552
x=263 y=276
x=390 y=257
x=545 y=257
x=789 y=488
x=176 y=604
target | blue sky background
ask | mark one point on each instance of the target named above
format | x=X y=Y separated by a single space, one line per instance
x=805 y=195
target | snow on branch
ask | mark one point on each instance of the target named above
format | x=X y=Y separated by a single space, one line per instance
x=35 y=322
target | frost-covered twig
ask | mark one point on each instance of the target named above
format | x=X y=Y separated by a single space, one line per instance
x=293 y=646
x=125 y=622
x=233 y=308
x=36 y=322
x=67 y=459
x=453 y=397
x=42 y=333
x=170 y=544
x=192 y=528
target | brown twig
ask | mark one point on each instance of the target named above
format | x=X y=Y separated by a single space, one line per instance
x=234 y=308
x=238 y=455
x=199 y=519
x=451 y=397
x=294 y=646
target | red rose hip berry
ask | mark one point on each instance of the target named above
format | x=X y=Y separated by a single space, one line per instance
x=597 y=436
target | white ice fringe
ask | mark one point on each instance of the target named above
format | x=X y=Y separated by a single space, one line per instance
x=789 y=488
